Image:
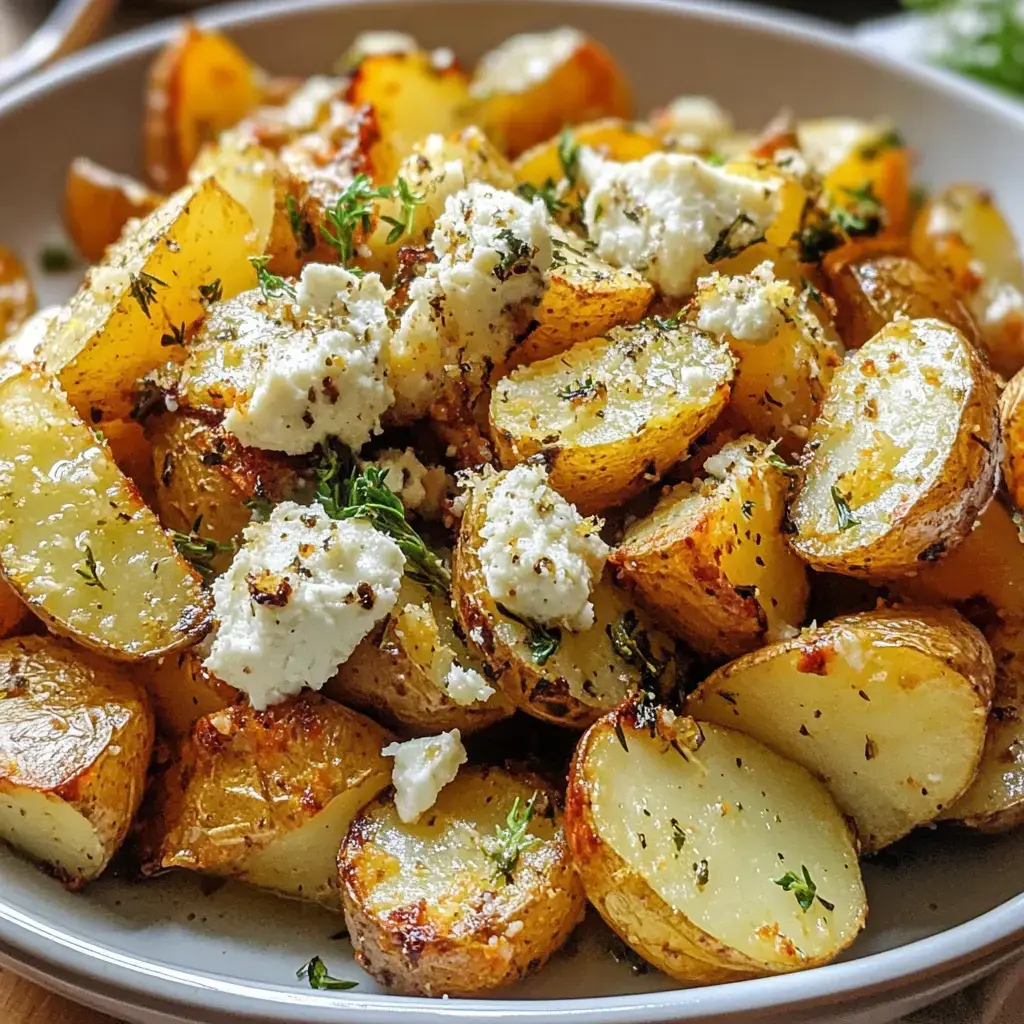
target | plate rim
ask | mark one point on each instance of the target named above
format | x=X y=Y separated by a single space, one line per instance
x=61 y=953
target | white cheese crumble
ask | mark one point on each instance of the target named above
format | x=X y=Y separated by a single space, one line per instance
x=523 y=61
x=379 y=43
x=748 y=307
x=694 y=122
x=662 y=214
x=331 y=379
x=466 y=686
x=423 y=767
x=308 y=105
x=421 y=488
x=301 y=593
x=539 y=556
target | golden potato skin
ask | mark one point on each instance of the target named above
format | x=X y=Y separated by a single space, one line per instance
x=711 y=561
x=17 y=296
x=182 y=691
x=584 y=678
x=874 y=283
x=397 y=674
x=248 y=779
x=426 y=908
x=1011 y=420
x=878 y=406
x=79 y=731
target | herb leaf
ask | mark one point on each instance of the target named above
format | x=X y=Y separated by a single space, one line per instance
x=542 y=641
x=569 y=156
x=199 y=551
x=142 y=288
x=270 y=284
x=352 y=212
x=732 y=240
x=90 y=571
x=408 y=201
x=804 y=889
x=212 y=292
x=56 y=259
x=315 y=972
x=511 y=839
x=519 y=253
x=585 y=388
x=847 y=519
x=175 y=336
x=547 y=193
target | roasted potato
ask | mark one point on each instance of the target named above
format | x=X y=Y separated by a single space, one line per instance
x=17 y=296
x=532 y=85
x=266 y=796
x=874 y=283
x=14 y=613
x=585 y=676
x=205 y=476
x=453 y=905
x=182 y=691
x=711 y=560
x=784 y=363
x=127 y=318
x=1011 y=420
x=962 y=234
x=75 y=739
x=692 y=123
x=983 y=577
x=994 y=802
x=689 y=839
x=611 y=414
x=399 y=677
x=76 y=541
x=887 y=707
x=133 y=454
x=98 y=203
x=585 y=298
x=199 y=84
x=412 y=96
x=904 y=456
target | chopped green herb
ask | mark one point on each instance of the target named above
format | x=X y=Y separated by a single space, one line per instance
x=890 y=139
x=732 y=240
x=578 y=389
x=633 y=646
x=56 y=259
x=408 y=201
x=779 y=463
x=847 y=519
x=295 y=220
x=517 y=253
x=747 y=508
x=259 y=505
x=865 y=217
x=270 y=284
x=804 y=889
x=543 y=641
x=351 y=213
x=90 y=571
x=315 y=972
x=199 y=551
x=142 y=288
x=716 y=159
x=817 y=238
x=511 y=839
x=212 y=292
x=174 y=336
x=813 y=292
x=569 y=156
x=678 y=835
x=547 y=193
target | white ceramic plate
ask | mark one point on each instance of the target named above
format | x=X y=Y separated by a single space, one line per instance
x=944 y=906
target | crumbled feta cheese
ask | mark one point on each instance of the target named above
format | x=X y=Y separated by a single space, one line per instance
x=662 y=214
x=25 y=344
x=423 y=767
x=330 y=379
x=301 y=593
x=748 y=307
x=694 y=122
x=540 y=557
x=466 y=686
x=421 y=488
x=308 y=105
x=379 y=43
x=523 y=61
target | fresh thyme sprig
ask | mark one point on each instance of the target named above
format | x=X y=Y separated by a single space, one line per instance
x=351 y=213
x=315 y=972
x=804 y=889
x=199 y=551
x=91 y=571
x=366 y=495
x=270 y=284
x=511 y=839
x=408 y=200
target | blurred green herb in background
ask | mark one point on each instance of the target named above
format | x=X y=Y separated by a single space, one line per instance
x=980 y=38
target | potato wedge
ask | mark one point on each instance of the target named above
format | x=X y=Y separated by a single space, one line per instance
x=684 y=836
x=611 y=414
x=17 y=296
x=182 y=691
x=585 y=298
x=75 y=740
x=199 y=84
x=887 y=707
x=14 y=613
x=431 y=912
x=982 y=578
x=267 y=796
x=874 y=284
x=205 y=476
x=76 y=541
x=903 y=457
x=963 y=234
x=133 y=454
x=122 y=323
x=1011 y=420
x=98 y=203
x=585 y=676
x=412 y=96
x=785 y=363
x=399 y=678
x=711 y=560
x=532 y=85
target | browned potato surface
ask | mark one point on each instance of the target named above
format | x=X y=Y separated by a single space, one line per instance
x=17 y=296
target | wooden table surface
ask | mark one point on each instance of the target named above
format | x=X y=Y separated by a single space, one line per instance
x=24 y=1003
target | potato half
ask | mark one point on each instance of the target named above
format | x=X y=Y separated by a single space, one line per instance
x=887 y=708
x=266 y=796
x=77 y=542
x=434 y=908
x=1011 y=418
x=711 y=561
x=75 y=740
x=995 y=800
x=585 y=676
x=610 y=415
x=399 y=676
x=126 y=320
x=684 y=836
x=182 y=691
x=903 y=457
